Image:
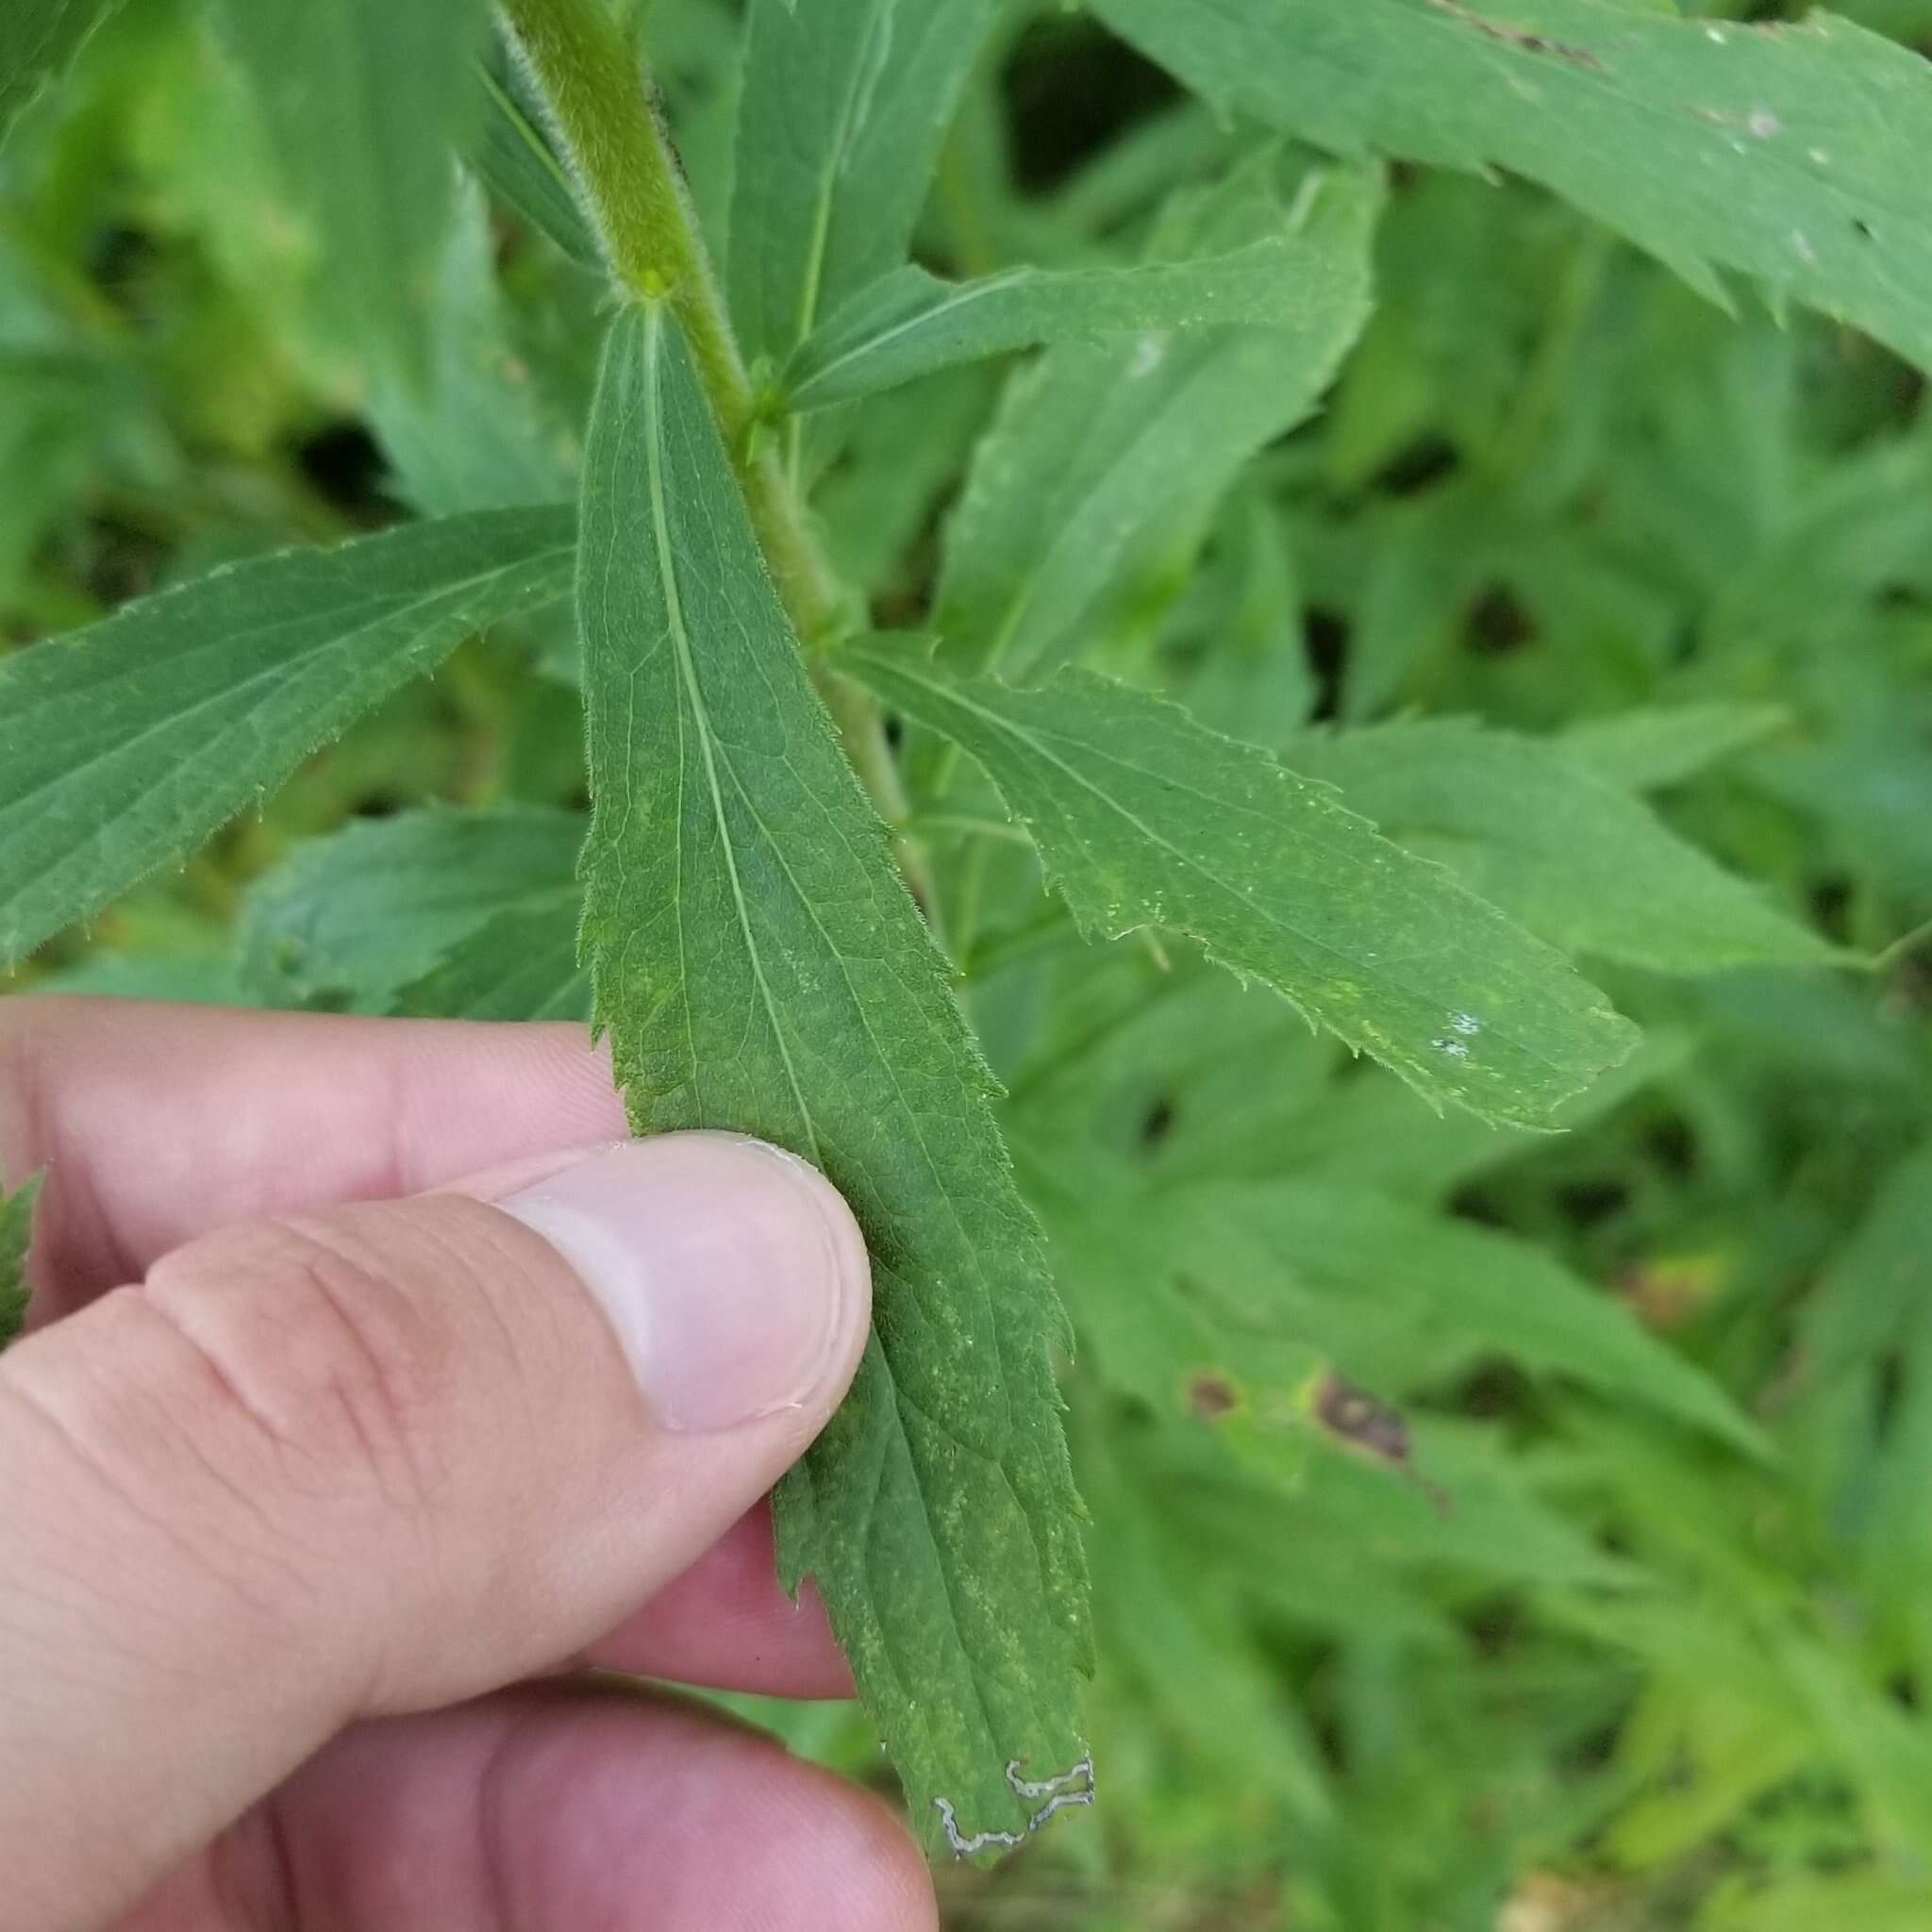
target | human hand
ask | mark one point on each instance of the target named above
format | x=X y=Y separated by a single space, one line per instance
x=300 y=1455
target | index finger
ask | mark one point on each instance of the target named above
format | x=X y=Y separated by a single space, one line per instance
x=159 y=1123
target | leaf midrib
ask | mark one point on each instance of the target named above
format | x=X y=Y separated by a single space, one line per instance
x=686 y=669
x=835 y=166
x=685 y=657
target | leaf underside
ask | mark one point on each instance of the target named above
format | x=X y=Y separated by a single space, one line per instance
x=1145 y=818
x=759 y=966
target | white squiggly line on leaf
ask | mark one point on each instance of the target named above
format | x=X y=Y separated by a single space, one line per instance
x=1061 y=1793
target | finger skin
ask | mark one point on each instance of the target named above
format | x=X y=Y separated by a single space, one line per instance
x=365 y=1463
x=727 y=1624
x=564 y=1809
x=161 y=1123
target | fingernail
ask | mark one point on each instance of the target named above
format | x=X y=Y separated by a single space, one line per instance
x=728 y=1269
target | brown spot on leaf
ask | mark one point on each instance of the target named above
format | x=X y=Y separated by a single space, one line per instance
x=1519 y=38
x=1211 y=1396
x=1347 y=1410
x=1366 y=1423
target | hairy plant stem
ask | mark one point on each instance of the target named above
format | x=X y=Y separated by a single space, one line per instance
x=593 y=91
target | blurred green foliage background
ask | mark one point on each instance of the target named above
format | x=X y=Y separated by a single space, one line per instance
x=1566 y=1660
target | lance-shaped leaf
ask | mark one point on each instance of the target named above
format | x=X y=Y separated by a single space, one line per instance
x=1402 y=1295
x=1645 y=749
x=38 y=38
x=1779 y=151
x=909 y=323
x=1572 y=856
x=16 y=1234
x=843 y=106
x=125 y=745
x=1099 y=446
x=1144 y=817
x=759 y=966
x=365 y=103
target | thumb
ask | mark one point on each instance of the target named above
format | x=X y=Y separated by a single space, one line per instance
x=377 y=1459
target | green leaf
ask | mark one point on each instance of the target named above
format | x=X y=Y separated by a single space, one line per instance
x=843 y=106
x=1871 y=1301
x=1463 y=1504
x=38 y=38
x=520 y=964
x=1655 y=746
x=1145 y=818
x=1199 y=1665
x=1096 y=447
x=1143 y=1329
x=365 y=103
x=909 y=323
x=1398 y=1294
x=759 y=966
x=1874 y=1900
x=16 y=1234
x=1237 y=640
x=514 y=156
x=903 y=453
x=125 y=745
x=468 y=430
x=1572 y=855
x=369 y=909
x=1777 y=151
